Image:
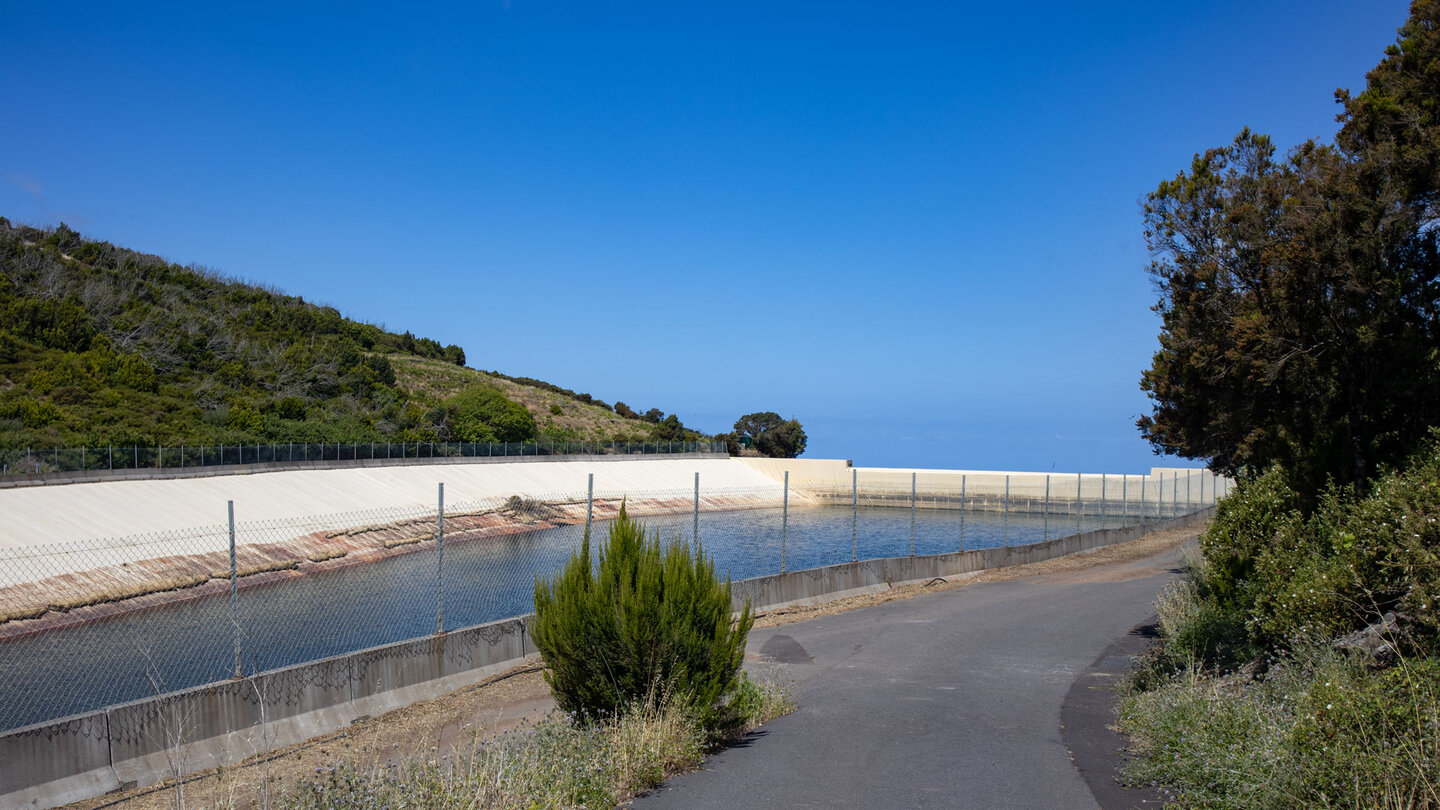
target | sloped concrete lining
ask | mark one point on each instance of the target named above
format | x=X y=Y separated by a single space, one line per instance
x=150 y=740
x=83 y=512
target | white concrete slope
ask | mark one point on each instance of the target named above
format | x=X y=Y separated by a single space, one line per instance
x=79 y=512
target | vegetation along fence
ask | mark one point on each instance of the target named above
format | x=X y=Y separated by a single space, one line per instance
x=93 y=624
x=33 y=461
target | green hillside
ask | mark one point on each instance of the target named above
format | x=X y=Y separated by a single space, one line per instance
x=103 y=345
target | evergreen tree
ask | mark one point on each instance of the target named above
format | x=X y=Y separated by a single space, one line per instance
x=1299 y=296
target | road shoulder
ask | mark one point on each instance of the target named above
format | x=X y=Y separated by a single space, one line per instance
x=1087 y=723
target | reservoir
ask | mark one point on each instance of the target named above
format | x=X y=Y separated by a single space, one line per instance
x=161 y=649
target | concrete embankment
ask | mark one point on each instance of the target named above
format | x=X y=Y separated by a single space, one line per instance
x=149 y=740
x=81 y=512
x=142 y=543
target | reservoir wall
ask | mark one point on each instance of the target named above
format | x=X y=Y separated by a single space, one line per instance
x=149 y=740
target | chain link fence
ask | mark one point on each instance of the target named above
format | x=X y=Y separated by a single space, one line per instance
x=93 y=624
x=31 y=461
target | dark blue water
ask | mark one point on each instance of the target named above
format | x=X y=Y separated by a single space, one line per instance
x=162 y=649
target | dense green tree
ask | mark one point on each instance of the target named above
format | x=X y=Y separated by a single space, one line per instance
x=483 y=414
x=669 y=429
x=1299 y=295
x=785 y=441
x=772 y=435
x=754 y=425
x=57 y=324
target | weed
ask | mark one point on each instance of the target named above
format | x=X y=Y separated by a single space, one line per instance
x=561 y=762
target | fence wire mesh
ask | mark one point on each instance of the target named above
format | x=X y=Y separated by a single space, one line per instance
x=37 y=461
x=92 y=624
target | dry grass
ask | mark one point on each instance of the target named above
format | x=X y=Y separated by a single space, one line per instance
x=120 y=591
x=327 y=554
x=496 y=744
x=435 y=380
x=126 y=590
x=408 y=541
x=262 y=567
x=16 y=612
x=508 y=701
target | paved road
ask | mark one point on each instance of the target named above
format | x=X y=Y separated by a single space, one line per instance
x=951 y=699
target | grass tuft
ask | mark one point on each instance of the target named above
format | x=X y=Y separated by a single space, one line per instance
x=560 y=762
x=1321 y=729
x=327 y=554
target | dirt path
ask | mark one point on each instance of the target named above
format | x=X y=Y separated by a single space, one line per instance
x=520 y=697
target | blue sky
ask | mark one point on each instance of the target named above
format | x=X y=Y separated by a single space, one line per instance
x=915 y=228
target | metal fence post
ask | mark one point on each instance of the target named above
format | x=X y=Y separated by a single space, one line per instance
x=962 y=512
x=1124 y=498
x=440 y=561
x=1047 y=506
x=589 y=501
x=912 y=514
x=1006 y=534
x=1142 y=497
x=1102 y=500
x=234 y=611
x=854 y=515
x=1078 y=502
x=1174 y=493
x=1189 y=476
x=784 y=520
x=697 y=510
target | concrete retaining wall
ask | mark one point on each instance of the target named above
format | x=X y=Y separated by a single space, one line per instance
x=837 y=581
x=147 y=741
x=154 y=739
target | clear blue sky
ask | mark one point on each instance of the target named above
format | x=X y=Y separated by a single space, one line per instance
x=913 y=227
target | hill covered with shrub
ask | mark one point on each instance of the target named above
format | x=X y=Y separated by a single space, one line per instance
x=104 y=345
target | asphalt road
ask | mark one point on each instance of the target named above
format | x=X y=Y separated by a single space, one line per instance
x=950 y=699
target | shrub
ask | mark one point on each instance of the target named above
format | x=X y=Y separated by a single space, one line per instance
x=646 y=621
x=483 y=414
x=1195 y=634
x=1245 y=523
x=1321 y=730
x=1334 y=569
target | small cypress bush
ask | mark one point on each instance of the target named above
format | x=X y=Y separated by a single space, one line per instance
x=648 y=621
